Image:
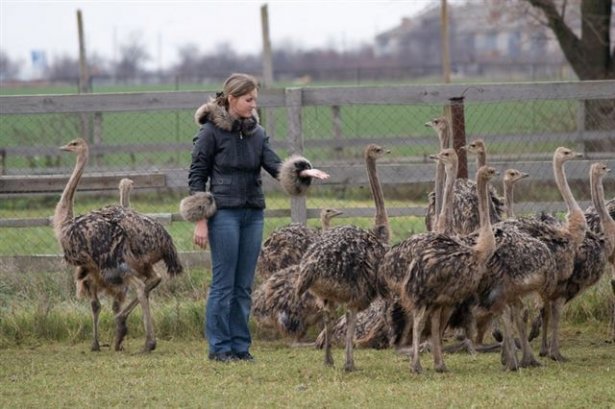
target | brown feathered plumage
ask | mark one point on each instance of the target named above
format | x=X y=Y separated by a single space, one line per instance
x=113 y=246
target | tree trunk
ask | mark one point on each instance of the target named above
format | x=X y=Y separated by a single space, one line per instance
x=590 y=56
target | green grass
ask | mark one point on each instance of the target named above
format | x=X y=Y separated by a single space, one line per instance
x=178 y=375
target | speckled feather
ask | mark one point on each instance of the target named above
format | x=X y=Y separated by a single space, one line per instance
x=465 y=207
x=275 y=304
x=342 y=266
x=284 y=247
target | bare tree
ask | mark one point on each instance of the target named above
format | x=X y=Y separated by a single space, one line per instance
x=64 y=68
x=583 y=30
x=133 y=55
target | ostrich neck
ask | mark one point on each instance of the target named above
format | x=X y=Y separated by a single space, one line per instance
x=444 y=222
x=606 y=221
x=381 y=220
x=575 y=220
x=124 y=198
x=508 y=199
x=445 y=139
x=481 y=159
x=325 y=223
x=64 y=208
x=485 y=245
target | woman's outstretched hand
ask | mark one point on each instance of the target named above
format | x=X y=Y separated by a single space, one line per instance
x=314 y=173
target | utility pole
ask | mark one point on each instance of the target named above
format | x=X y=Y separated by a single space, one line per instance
x=84 y=74
x=267 y=69
x=446 y=59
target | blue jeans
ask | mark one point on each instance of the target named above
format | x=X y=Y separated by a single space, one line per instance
x=235 y=237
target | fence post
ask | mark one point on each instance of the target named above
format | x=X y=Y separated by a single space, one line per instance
x=459 y=135
x=294 y=101
x=337 y=131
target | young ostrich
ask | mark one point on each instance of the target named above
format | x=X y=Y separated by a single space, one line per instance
x=444 y=272
x=274 y=301
x=595 y=255
x=511 y=177
x=114 y=247
x=86 y=286
x=341 y=266
x=563 y=240
x=394 y=266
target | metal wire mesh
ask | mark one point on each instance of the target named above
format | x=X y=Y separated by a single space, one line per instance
x=519 y=133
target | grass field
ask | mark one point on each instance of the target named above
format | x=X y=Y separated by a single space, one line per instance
x=177 y=375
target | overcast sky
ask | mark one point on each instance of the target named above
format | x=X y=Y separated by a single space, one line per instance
x=164 y=26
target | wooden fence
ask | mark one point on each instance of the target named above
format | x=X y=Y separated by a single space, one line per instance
x=344 y=172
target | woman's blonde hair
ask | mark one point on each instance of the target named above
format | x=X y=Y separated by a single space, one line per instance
x=237 y=84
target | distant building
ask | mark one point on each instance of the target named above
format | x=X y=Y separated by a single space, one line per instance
x=481 y=41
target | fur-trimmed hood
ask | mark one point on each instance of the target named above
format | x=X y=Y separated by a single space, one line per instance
x=219 y=116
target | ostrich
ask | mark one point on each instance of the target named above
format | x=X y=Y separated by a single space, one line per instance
x=442 y=128
x=511 y=177
x=285 y=246
x=563 y=241
x=274 y=301
x=86 y=287
x=114 y=247
x=370 y=331
x=394 y=266
x=594 y=256
x=341 y=266
x=444 y=272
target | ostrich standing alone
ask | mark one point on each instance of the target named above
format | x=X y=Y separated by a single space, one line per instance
x=114 y=247
x=275 y=303
x=444 y=272
x=341 y=266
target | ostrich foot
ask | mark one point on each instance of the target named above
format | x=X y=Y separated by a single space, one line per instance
x=489 y=348
x=530 y=362
x=535 y=329
x=149 y=346
x=417 y=368
x=120 y=332
x=349 y=367
x=95 y=347
x=328 y=361
x=441 y=368
x=556 y=356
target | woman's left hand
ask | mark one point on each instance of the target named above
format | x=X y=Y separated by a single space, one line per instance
x=314 y=173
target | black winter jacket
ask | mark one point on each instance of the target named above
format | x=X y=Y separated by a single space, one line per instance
x=230 y=153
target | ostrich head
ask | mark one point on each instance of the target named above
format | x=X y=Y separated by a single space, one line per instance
x=513 y=175
x=599 y=169
x=485 y=173
x=563 y=154
x=329 y=213
x=438 y=124
x=126 y=185
x=447 y=156
x=373 y=151
x=477 y=147
x=78 y=145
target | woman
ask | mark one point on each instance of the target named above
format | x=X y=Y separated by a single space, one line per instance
x=229 y=151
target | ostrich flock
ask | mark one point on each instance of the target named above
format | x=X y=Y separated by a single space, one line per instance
x=473 y=271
